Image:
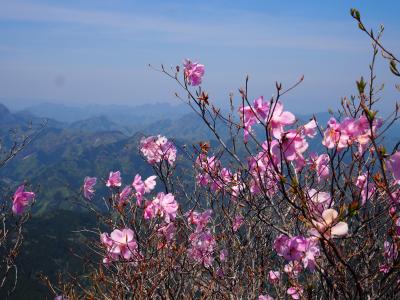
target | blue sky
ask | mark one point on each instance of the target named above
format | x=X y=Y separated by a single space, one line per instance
x=86 y=52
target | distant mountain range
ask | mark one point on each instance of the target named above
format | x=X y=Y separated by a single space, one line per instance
x=91 y=141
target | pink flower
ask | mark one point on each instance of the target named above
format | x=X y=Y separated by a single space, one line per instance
x=393 y=163
x=328 y=226
x=261 y=108
x=390 y=255
x=319 y=201
x=279 y=119
x=274 y=277
x=88 y=187
x=310 y=129
x=367 y=188
x=142 y=188
x=251 y=115
x=193 y=72
x=321 y=165
x=120 y=244
x=21 y=199
x=237 y=222
x=293 y=145
x=168 y=231
x=164 y=205
x=125 y=194
x=202 y=247
x=223 y=255
x=295 y=292
x=199 y=219
x=157 y=149
x=334 y=136
x=114 y=179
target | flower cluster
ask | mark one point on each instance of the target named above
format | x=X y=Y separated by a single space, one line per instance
x=349 y=131
x=157 y=149
x=202 y=240
x=297 y=249
x=164 y=205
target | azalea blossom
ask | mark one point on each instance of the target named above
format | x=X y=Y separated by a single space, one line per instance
x=143 y=187
x=199 y=219
x=295 y=292
x=88 y=187
x=328 y=226
x=223 y=255
x=238 y=221
x=120 y=244
x=125 y=194
x=158 y=148
x=168 y=231
x=164 y=205
x=202 y=247
x=319 y=201
x=274 y=277
x=21 y=200
x=193 y=72
x=367 y=188
x=251 y=115
x=310 y=129
x=114 y=179
x=393 y=163
x=279 y=119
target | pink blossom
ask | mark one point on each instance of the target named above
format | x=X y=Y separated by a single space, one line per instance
x=293 y=268
x=328 y=226
x=168 y=231
x=157 y=148
x=142 y=188
x=298 y=249
x=21 y=200
x=390 y=255
x=393 y=163
x=319 y=201
x=310 y=254
x=261 y=108
x=88 y=187
x=223 y=255
x=334 y=136
x=114 y=179
x=199 y=219
x=293 y=145
x=295 y=292
x=193 y=72
x=310 y=129
x=238 y=221
x=164 y=205
x=321 y=165
x=274 y=277
x=367 y=188
x=279 y=119
x=120 y=244
x=202 y=247
x=125 y=194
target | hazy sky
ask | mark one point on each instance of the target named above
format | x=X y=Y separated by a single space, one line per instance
x=98 y=51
